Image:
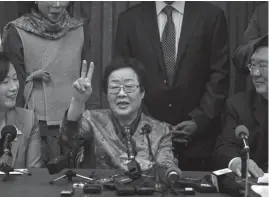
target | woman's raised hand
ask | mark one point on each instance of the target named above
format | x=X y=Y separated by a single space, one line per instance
x=82 y=86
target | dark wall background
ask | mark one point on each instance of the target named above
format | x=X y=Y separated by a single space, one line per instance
x=101 y=20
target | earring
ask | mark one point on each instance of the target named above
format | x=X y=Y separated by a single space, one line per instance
x=35 y=2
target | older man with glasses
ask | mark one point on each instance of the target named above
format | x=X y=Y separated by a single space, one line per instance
x=251 y=110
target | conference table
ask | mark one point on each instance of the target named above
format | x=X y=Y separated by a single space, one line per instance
x=37 y=185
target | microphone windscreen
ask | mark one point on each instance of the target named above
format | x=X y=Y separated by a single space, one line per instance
x=146 y=129
x=241 y=129
x=168 y=175
x=11 y=129
x=173 y=174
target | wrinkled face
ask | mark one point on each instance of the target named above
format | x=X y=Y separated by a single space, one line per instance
x=259 y=71
x=124 y=101
x=52 y=10
x=9 y=89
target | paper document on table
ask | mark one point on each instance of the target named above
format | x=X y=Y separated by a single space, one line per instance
x=16 y=172
x=262 y=190
x=264 y=178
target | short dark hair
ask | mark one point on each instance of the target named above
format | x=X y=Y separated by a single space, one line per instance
x=4 y=66
x=125 y=62
x=261 y=42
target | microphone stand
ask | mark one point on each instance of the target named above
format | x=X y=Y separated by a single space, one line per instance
x=244 y=168
x=69 y=175
x=6 y=163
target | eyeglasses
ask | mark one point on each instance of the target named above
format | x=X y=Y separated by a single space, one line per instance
x=127 y=88
x=257 y=67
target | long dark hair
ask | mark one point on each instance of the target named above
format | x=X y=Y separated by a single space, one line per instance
x=4 y=66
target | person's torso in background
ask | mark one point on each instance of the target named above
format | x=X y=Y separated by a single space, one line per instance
x=62 y=59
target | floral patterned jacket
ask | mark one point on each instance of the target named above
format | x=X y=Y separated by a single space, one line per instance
x=101 y=147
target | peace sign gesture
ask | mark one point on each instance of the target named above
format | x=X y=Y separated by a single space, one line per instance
x=82 y=85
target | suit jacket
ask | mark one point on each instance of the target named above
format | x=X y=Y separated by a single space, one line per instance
x=249 y=109
x=202 y=66
x=26 y=148
x=258 y=25
x=101 y=140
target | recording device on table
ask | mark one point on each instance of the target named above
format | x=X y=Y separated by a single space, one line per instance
x=67 y=192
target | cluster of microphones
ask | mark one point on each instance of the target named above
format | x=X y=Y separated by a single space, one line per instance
x=168 y=176
x=161 y=174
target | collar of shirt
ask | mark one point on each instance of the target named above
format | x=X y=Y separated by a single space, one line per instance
x=18 y=134
x=177 y=5
x=120 y=129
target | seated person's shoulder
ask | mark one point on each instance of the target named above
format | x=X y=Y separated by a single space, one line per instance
x=240 y=103
x=154 y=123
x=241 y=98
x=96 y=112
x=26 y=118
x=96 y=115
x=25 y=113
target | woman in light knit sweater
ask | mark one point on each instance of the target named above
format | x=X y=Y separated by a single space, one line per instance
x=47 y=46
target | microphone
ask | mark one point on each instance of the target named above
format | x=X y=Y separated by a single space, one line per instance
x=61 y=162
x=58 y=164
x=134 y=169
x=68 y=159
x=168 y=175
x=242 y=133
x=130 y=149
x=8 y=133
x=146 y=129
x=173 y=175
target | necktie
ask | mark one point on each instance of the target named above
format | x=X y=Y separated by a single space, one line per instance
x=168 y=44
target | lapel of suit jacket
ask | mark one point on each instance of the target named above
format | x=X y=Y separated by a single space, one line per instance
x=14 y=119
x=260 y=115
x=191 y=18
x=149 y=23
x=259 y=110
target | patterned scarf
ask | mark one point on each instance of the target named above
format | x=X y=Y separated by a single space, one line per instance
x=36 y=24
x=120 y=132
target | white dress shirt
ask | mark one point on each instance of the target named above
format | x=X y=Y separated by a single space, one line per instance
x=177 y=18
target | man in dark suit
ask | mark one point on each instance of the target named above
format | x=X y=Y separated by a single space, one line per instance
x=249 y=109
x=183 y=46
x=257 y=27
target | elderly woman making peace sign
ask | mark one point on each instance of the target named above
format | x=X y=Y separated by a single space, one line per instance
x=103 y=129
